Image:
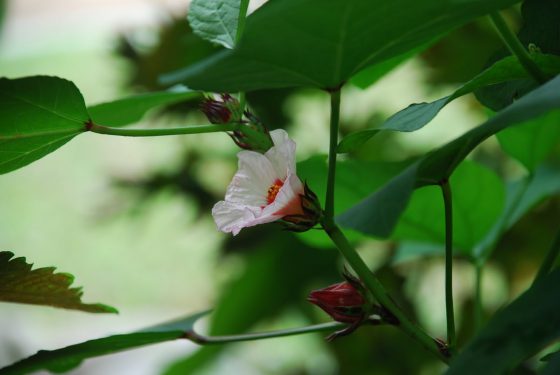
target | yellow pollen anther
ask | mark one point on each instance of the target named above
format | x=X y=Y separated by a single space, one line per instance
x=273 y=191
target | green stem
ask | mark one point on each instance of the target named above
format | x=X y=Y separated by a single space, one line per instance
x=349 y=253
x=335 y=117
x=549 y=260
x=517 y=49
x=127 y=132
x=478 y=311
x=209 y=340
x=243 y=7
x=447 y=201
x=377 y=289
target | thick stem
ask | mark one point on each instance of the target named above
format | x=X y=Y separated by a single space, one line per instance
x=550 y=259
x=127 y=132
x=378 y=291
x=349 y=253
x=478 y=311
x=517 y=49
x=335 y=117
x=208 y=340
x=450 y=315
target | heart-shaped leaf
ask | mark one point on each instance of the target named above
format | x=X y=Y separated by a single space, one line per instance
x=215 y=21
x=282 y=46
x=37 y=116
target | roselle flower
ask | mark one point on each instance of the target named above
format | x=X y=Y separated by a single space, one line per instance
x=264 y=189
x=342 y=301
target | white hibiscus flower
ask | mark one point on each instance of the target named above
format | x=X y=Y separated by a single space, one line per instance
x=264 y=189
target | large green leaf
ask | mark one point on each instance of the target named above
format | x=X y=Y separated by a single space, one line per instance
x=478 y=198
x=283 y=46
x=131 y=109
x=368 y=76
x=378 y=214
x=65 y=359
x=37 y=116
x=354 y=180
x=215 y=21
x=418 y=115
x=515 y=333
x=41 y=286
x=532 y=142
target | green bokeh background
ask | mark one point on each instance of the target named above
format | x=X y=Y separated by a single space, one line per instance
x=100 y=208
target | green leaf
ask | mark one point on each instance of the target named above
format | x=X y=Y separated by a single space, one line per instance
x=521 y=197
x=354 y=180
x=416 y=116
x=37 y=116
x=515 y=333
x=478 y=199
x=531 y=142
x=131 y=109
x=373 y=73
x=215 y=21
x=282 y=46
x=378 y=214
x=539 y=28
x=67 y=358
x=553 y=365
x=20 y=284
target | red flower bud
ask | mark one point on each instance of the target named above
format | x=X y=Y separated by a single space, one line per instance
x=342 y=301
x=221 y=111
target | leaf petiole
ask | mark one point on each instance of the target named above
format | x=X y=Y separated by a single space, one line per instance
x=156 y=132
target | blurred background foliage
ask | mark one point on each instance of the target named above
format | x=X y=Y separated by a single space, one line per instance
x=130 y=217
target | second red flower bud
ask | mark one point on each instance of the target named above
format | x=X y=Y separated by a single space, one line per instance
x=342 y=301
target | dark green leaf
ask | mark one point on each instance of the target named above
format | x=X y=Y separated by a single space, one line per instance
x=553 y=365
x=541 y=28
x=20 y=284
x=418 y=115
x=37 y=116
x=282 y=46
x=478 y=199
x=130 y=110
x=373 y=73
x=378 y=214
x=515 y=333
x=531 y=142
x=67 y=358
x=521 y=196
x=354 y=180
x=215 y=21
